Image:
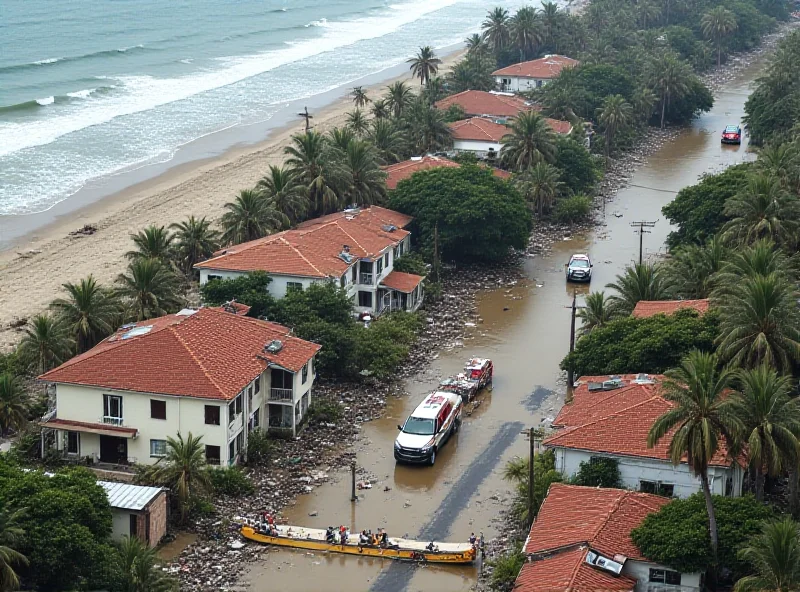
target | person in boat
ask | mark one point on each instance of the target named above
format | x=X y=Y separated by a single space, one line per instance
x=364 y=538
x=343 y=534
x=430 y=547
x=330 y=537
x=473 y=539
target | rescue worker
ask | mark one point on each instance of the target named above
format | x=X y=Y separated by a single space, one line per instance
x=473 y=539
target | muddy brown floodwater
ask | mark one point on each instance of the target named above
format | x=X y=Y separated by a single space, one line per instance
x=464 y=490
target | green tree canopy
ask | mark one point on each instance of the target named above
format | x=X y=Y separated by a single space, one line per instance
x=251 y=289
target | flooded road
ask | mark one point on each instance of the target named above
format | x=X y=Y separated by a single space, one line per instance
x=524 y=328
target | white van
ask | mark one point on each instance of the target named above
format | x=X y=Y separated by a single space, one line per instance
x=428 y=428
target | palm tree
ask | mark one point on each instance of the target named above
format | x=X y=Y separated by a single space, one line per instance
x=526 y=32
x=317 y=168
x=496 y=29
x=641 y=281
x=360 y=98
x=357 y=122
x=339 y=138
x=283 y=189
x=615 y=114
x=139 y=568
x=759 y=259
x=781 y=160
x=530 y=141
x=763 y=209
x=46 y=343
x=380 y=109
x=426 y=128
x=435 y=90
x=11 y=535
x=398 y=97
x=89 y=310
x=183 y=469
x=717 y=24
x=771 y=421
x=669 y=78
x=387 y=139
x=248 y=217
x=425 y=64
x=774 y=555
x=700 y=423
x=475 y=43
x=760 y=323
x=195 y=241
x=540 y=185
x=643 y=102
x=13 y=404
x=551 y=18
x=366 y=180
x=152 y=242
x=647 y=13
x=474 y=72
x=151 y=288
x=596 y=313
x=692 y=270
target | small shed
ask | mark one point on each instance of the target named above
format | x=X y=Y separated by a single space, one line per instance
x=137 y=511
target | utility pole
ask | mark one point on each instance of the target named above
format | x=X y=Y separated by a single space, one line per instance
x=641 y=230
x=353 y=482
x=304 y=114
x=574 y=308
x=533 y=437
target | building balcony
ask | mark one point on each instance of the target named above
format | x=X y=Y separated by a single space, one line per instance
x=281 y=394
x=111 y=420
x=365 y=279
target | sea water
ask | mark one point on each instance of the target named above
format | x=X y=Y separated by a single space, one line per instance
x=91 y=87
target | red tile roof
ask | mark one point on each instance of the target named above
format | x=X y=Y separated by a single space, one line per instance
x=544 y=68
x=313 y=248
x=480 y=129
x=403 y=170
x=102 y=429
x=208 y=354
x=569 y=572
x=402 y=282
x=559 y=126
x=600 y=518
x=478 y=102
x=648 y=308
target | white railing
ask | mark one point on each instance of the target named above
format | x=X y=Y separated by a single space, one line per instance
x=110 y=419
x=49 y=415
x=281 y=394
x=365 y=279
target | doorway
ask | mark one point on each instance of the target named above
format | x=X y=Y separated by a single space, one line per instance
x=113 y=450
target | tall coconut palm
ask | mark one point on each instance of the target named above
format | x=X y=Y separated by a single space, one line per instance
x=774 y=556
x=339 y=138
x=540 y=185
x=700 y=423
x=669 y=79
x=398 y=97
x=692 y=270
x=151 y=288
x=475 y=43
x=551 y=18
x=647 y=13
x=318 y=169
x=426 y=128
x=763 y=209
x=760 y=323
x=46 y=344
x=643 y=102
x=425 y=64
x=284 y=190
x=360 y=98
x=152 y=242
x=496 y=29
x=596 y=313
x=641 y=281
x=380 y=109
x=13 y=404
x=11 y=535
x=614 y=115
x=771 y=421
x=366 y=180
x=717 y=24
x=195 y=241
x=435 y=90
x=89 y=310
x=474 y=72
x=183 y=469
x=250 y=216
x=526 y=32
x=357 y=122
x=529 y=141
x=387 y=139
x=759 y=259
x=139 y=568
x=781 y=160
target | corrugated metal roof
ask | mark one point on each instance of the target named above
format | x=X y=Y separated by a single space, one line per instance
x=129 y=497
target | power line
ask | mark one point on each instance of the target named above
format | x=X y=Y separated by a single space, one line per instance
x=641 y=230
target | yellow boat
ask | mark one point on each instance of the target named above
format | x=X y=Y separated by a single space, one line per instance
x=313 y=539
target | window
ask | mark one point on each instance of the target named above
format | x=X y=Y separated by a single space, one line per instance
x=365 y=299
x=240 y=442
x=386 y=260
x=342 y=281
x=212 y=414
x=256 y=418
x=158 y=409
x=258 y=385
x=238 y=401
x=212 y=455
x=211 y=278
x=305 y=373
x=158 y=447
x=665 y=576
x=380 y=266
x=231 y=411
x=353 y=273
x=250 y=397
x=293 y=286
x=112 y=409
x=664 y=489
x=231 y=452
x=133 y=525
x=401 y=248
x=72 y=442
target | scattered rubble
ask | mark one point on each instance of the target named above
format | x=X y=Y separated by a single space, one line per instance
x=86 y=230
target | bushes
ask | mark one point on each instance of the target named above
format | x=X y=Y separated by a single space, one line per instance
x=260 y=448
x=231 y=482
x=506 y=568
x=251 y=289
x=599 y=472
x=573 y=209
x=579 y=169
x=322 y=411
x=382 y=347
x=411 y=263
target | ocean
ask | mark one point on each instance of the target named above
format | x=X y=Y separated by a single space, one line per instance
x=92 y=87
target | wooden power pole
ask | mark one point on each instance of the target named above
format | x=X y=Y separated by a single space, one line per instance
x=304 y=114
x=641 y=230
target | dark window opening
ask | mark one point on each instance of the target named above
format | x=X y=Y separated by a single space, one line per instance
x=158 y=409
x=305 y=373
x=386 y=260
x=212 y=414
x=231 y=452
x=663 y=489
x=281 y=379
x=133 y=525
x=72 y=442
x=211 y=278
x=665 y=576
x=294 y=286
x=258 y=385
x=212 y=455
x=365 y=299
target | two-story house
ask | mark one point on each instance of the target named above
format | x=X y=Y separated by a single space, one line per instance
x=210 y=372
x=610 y=417
x=581 y=540
x=356 y=249
x=532 y=74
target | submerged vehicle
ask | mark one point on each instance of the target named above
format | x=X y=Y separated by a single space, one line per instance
x=732 y=134
x=428 y=428
x=478 y=373
x=579 y=268
x=315 y=539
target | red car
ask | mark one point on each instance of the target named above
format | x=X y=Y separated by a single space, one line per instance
x=732 y=134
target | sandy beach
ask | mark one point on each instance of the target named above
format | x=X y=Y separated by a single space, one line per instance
x=33 y=269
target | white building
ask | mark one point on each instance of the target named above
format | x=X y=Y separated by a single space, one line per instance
x=356 y=249
x=483 y=136
x=210 y=372
x=533 y=74
x=137 y=511
x=615 y=423
x=581 y=540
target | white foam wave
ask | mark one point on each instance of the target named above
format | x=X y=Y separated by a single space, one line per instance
x=47 y=61
x=143 y=93
x=187 y=61
x=46 y=101
x=320 y=23
x=82 y=94
x=124 y=49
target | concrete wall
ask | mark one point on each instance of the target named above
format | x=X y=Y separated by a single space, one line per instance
x=479 y=148
x=520 y=84
x=640 y=570
x=633 y=470
x=120 y=523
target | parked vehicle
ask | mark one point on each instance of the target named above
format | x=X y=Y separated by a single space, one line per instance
x=477 y=375
x=428 y=428
x=579 y=268
x=732 y=134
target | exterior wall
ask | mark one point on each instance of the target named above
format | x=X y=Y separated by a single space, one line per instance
x=640 y=570
x=479 y=148
x=633 y=470
x=517 y=84
x=157 y=515
x=301 y=400
x=277 y=287
x=120 y=523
